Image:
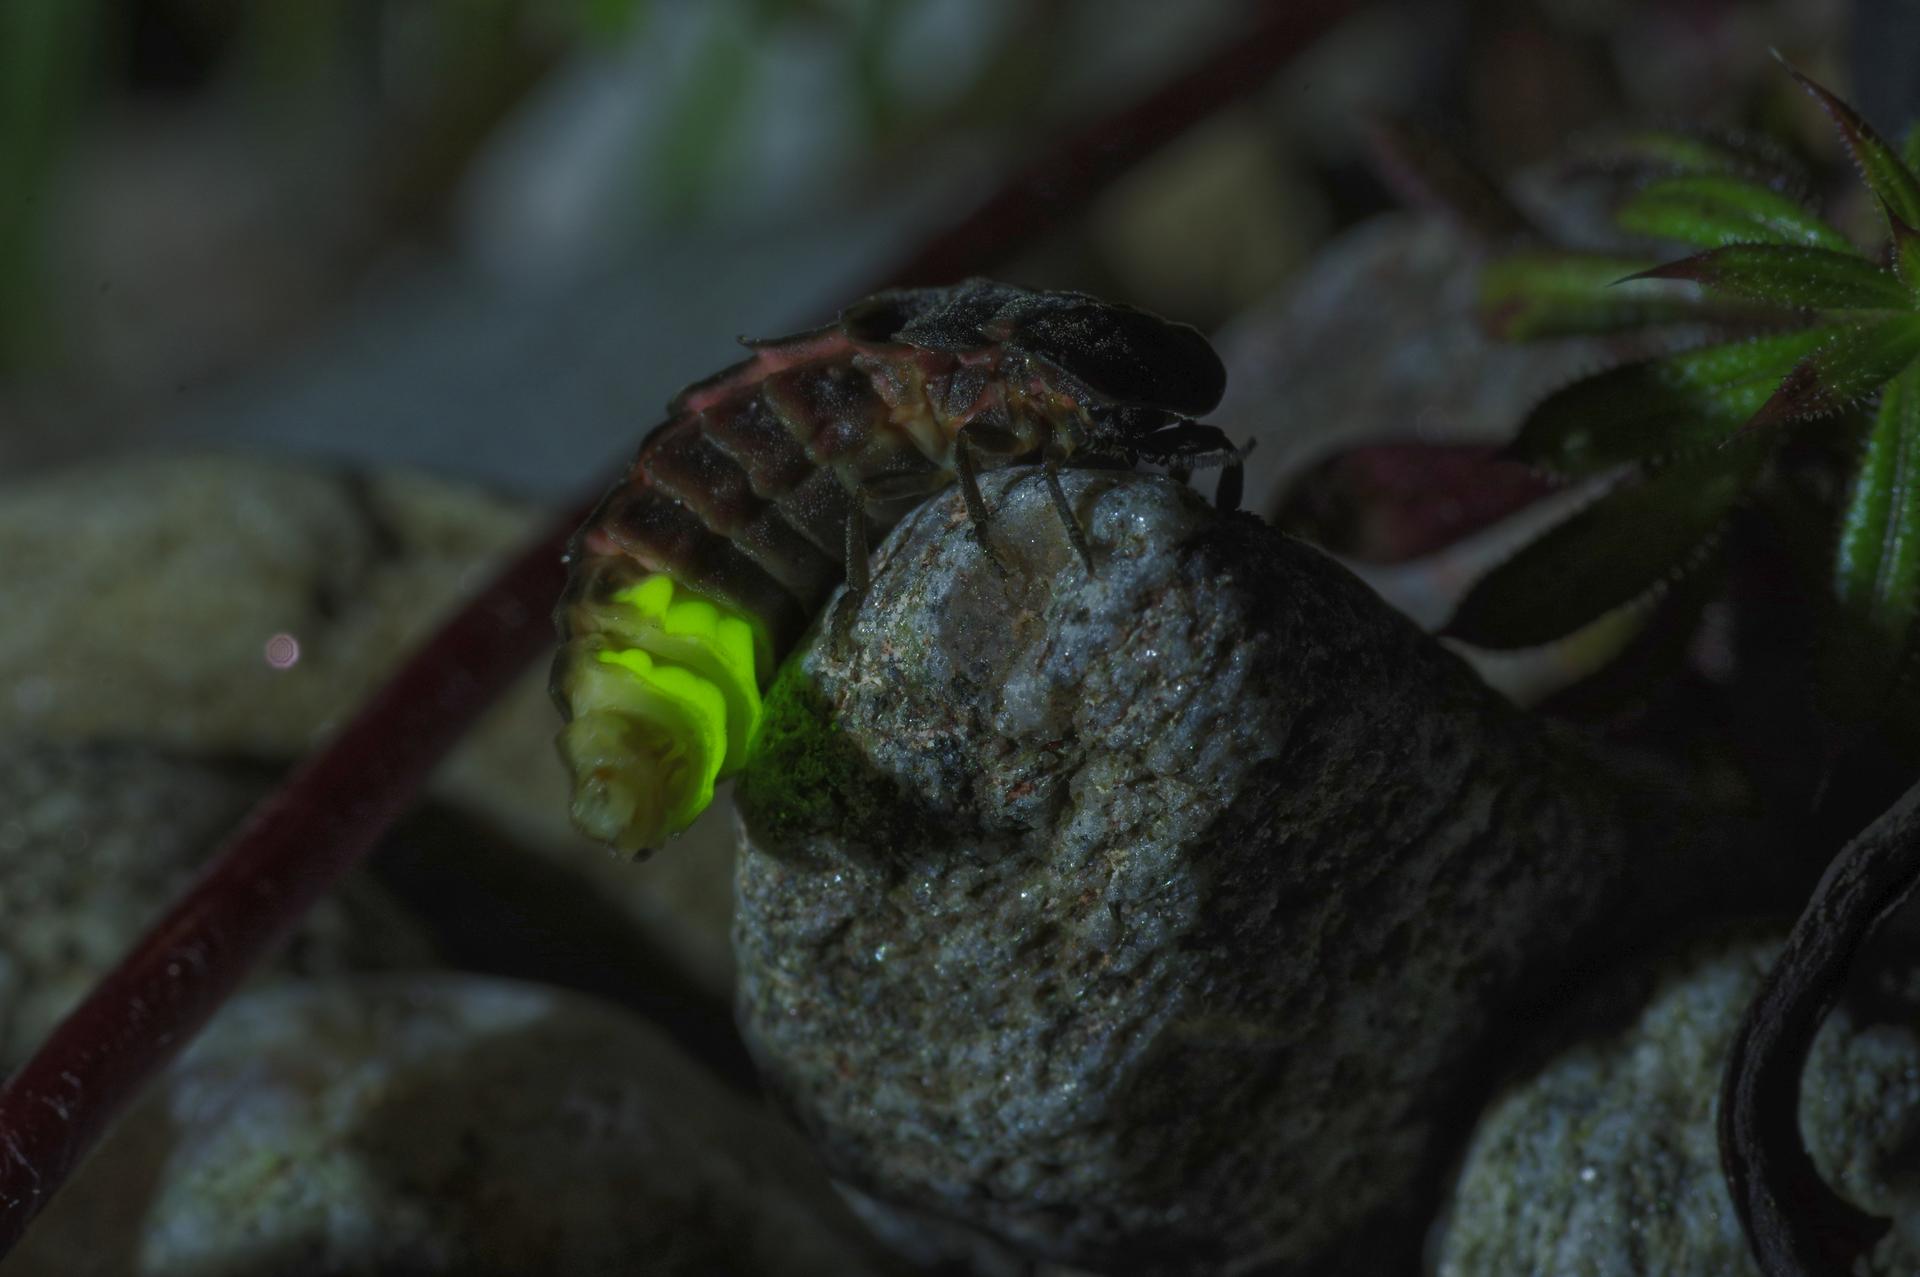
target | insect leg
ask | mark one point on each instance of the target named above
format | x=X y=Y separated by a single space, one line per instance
x=976 y=504
x=857 y=577
x=1188 y=446
x=1233 y=479
x=882 y=489
x=1075 y=534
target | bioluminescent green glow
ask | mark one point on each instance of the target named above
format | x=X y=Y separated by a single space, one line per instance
x=664 y=689
x=715 y=645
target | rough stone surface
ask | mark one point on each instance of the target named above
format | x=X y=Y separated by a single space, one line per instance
x=436 y=1125
x=95 y=839
x=140 y=600
x=1605 y=1163
x=1153 y=920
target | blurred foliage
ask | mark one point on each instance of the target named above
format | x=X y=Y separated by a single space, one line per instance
x=47 y=51
x=428 y=83
x=1811 y=396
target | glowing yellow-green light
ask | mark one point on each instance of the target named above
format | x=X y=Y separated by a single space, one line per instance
x=664 y=693
x=717 y=645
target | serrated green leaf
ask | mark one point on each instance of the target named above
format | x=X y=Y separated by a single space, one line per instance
x=1644 y=532
x=1885 y=173
x=1910 y=148
x=1647 y=664
x=1852 y=363
x=1671 y=153
x=1696 y=399
x=1876 y=565
x=1550 y=294
x=1906 y=254
x=1790 y=275
x=1712 y=210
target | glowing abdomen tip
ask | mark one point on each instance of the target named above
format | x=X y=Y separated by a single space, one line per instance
x=663 y=694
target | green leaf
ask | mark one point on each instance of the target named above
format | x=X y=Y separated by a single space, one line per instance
x=1549 y=294
x=1642 y=533
x=1696 y=399
x=1852 y=363
x=1784 y=275
x=1876 y=565
x=1906 y=254
x=1660 y=151
x=1886 y=175
x=1712 y=211
x=612 y=20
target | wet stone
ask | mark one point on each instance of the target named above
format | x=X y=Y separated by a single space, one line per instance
x=1605 y=1163
x=441 y=1125
x=218 y=605
x=95 y=839
x=1153 y=921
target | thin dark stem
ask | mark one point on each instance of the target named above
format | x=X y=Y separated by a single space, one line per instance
x=294 y=847
x=1796 y=1224
x=1425 y=172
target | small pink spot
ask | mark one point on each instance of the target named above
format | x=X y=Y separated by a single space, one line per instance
x=283 y=651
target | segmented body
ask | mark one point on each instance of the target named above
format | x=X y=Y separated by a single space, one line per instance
x=759 y=490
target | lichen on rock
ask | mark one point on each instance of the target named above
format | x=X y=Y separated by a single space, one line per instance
x=1157 y=919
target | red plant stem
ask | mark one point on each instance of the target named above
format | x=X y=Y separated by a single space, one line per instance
x=332 y=810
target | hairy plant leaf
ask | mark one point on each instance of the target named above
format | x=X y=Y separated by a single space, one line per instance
x=1906 y=254
x=1658 y=151
x=1886 y=174
x=1699 y=398
x=1551 y=294
x=1632 y=683
x=1854 y=361
x=1876 y=566
x=1713 y=210
x=1790 y=275
x=1642 y=533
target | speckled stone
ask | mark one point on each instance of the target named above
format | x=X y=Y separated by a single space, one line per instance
x=95 y=839
x=141 y=597
x=1155 y=921
x=1605 y=1163
x=441 y=1125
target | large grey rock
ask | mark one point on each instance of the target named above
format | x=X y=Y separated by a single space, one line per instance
x=141 y=600
x=1605 y=1162
x=95 y=839
x=435 y=1125
x=1157 y=919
